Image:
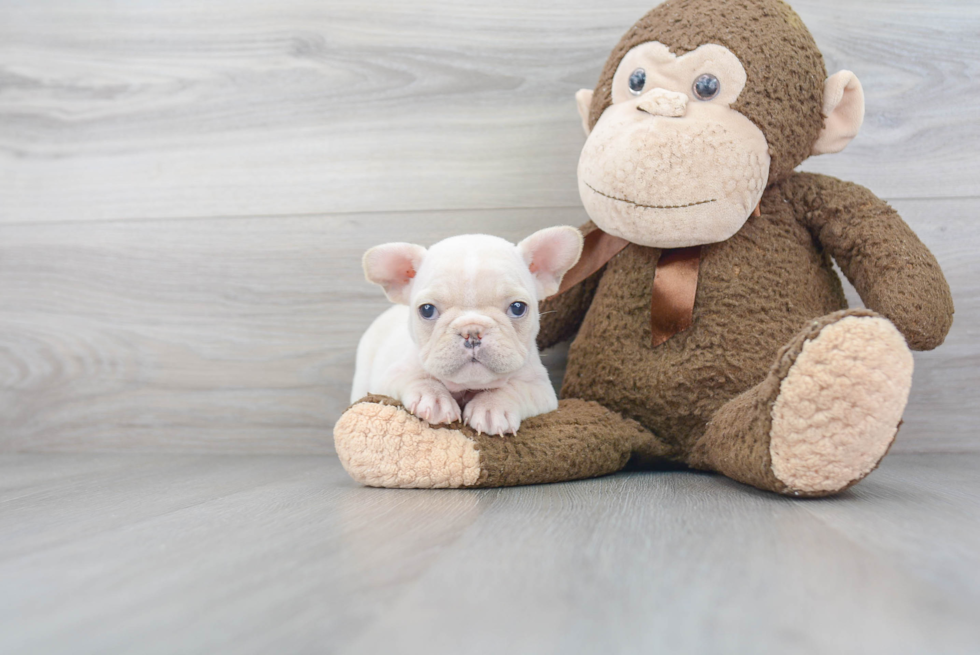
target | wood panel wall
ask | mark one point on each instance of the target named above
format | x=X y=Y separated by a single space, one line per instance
x=186 y=190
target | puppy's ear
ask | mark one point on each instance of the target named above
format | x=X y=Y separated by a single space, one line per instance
x=549 y=254
x=392 y=266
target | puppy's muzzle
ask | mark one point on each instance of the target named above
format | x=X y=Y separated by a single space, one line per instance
x=471 y=341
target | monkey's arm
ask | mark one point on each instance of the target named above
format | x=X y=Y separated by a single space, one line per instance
x=562 y=314
x=892 y=270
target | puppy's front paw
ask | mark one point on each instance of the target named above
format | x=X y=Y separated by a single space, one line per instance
x=432 y=404
x=492 y=413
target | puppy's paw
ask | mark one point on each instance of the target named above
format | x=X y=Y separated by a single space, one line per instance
x=433 y=403
x=492 y=413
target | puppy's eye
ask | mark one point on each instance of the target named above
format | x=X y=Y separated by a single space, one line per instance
x=706 y=87
x=638 y=80
x=428 y=312
x=517 y=309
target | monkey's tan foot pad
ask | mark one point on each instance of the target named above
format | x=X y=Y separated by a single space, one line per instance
x=382 y=445
x=840 y=405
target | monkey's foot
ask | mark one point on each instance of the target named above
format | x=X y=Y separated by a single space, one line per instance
x=824 y=416
x=840 y=405
x=383 y=445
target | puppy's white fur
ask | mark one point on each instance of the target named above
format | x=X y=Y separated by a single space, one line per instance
x=474 y=359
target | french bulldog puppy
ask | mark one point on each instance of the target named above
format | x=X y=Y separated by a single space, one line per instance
x=463 y=332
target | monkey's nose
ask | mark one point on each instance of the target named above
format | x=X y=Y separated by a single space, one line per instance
x=661 y=102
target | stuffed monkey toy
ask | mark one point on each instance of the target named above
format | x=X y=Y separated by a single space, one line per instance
x=710 y=329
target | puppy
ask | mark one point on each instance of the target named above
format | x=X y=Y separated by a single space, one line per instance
x=463 y=333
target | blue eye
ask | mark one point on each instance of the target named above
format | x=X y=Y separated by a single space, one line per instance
x=517 y=309
x=706 y=87
x=637 y=81
x=428 y=312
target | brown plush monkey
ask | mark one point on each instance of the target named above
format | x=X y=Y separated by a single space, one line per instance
x=710 y=328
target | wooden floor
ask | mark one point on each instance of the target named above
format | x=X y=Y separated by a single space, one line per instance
x=284 y=554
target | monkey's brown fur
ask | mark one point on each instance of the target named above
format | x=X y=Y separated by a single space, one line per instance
x=705 y=397
x=755 y=292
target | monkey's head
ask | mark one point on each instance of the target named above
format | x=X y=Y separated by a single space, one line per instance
x=700 y=107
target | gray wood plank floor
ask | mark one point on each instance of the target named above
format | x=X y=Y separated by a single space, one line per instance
x=104 y=553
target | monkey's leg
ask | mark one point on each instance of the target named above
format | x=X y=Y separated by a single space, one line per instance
x=825 y=415
x=381 y=444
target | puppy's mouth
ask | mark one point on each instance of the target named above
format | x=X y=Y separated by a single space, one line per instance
x=470 y=361
x=636 y=204
x=475 y=365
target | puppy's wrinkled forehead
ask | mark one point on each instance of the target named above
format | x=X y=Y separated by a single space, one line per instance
x=472 y=270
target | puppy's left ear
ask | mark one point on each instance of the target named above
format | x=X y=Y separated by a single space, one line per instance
x=393 y=266
x=549 y=254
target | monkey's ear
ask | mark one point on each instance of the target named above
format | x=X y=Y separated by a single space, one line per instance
x=392 y=266
x=843 y=110
x=583 y=98
x=549 y=253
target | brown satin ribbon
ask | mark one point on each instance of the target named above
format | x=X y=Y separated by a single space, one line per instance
x=675 y=281
x=675 y=284
x=598 y=250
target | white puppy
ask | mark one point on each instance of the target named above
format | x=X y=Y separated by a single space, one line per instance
x=464 y=332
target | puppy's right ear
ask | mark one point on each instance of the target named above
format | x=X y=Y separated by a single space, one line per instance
x=392 y=266
x=549 y=254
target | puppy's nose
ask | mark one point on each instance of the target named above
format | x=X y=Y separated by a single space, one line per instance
x=471 y=328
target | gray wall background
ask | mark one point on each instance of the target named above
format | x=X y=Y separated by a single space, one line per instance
x=186 y=190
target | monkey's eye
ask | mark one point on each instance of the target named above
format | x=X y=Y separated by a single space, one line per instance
x=428 y=312
x=637 y=80
x=706 y=87
x=517 y=309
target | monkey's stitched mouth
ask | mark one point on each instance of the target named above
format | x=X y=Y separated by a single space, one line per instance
x=636 y=204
